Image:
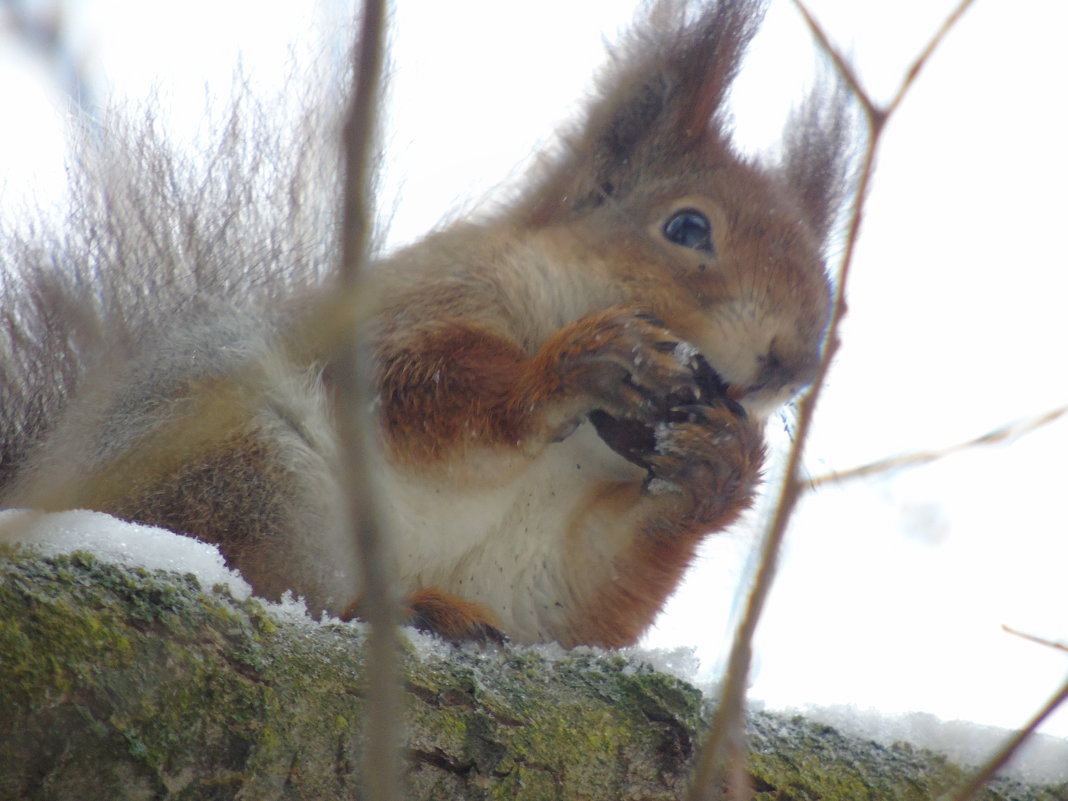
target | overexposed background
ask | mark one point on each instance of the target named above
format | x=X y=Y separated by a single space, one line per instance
x=893 y=590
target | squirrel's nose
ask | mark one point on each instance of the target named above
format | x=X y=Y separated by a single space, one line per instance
x=781 y=367
x=781 y=374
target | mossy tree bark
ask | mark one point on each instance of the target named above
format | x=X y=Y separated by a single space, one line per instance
x=123 y=684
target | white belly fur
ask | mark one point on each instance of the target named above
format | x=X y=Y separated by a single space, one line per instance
x=498 y=529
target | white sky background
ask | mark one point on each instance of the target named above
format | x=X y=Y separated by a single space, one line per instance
x=893 y=590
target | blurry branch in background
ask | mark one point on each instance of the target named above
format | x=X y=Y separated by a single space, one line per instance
x=382 y=730
x=41 y=28
x=1060 y=646
x=1002 y=757
x=1001 y=434
x=1012 y=745
x=723 y=760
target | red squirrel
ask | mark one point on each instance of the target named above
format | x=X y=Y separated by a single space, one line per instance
x=569 y=390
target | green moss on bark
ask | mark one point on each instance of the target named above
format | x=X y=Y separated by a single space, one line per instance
x=127 y=684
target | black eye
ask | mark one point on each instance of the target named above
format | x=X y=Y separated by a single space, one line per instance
x=691 y=229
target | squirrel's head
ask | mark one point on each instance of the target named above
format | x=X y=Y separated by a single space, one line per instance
x=729 y=253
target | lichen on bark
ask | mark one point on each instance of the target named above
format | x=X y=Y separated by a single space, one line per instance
x=121 y=683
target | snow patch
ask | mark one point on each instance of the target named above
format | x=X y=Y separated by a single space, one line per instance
x=136 y=545
x=112 y=540
x=685 y=353
x=1042 y=759
x=681 y=662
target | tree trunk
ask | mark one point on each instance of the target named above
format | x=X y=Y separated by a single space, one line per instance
x=118 y=683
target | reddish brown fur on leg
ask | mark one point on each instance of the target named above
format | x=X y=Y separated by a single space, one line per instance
x=452 y=618
x=448 y=616
x=457 y=383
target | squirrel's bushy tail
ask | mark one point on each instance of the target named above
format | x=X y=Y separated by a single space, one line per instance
x=150 y=234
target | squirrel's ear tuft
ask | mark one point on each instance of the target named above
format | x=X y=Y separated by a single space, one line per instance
x=659 y=103
x=820 y=147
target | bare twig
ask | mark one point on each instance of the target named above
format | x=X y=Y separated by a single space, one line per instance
x=725 y=743
x=841 y=65
x=922 y=59
x=1060 y=646
x=905 y=460
x=381 y=763
x=1002 y=757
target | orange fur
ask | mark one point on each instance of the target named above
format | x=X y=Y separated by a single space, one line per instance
x=453 y=386
x=449 y=616
x=452 y=617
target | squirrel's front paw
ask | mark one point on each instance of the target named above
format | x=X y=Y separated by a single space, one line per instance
x=624 y=364
x=714 y=455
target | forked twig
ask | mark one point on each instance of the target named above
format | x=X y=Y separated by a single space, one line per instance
x=728 y=729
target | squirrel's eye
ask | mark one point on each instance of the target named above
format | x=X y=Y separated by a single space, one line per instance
x=691 y=229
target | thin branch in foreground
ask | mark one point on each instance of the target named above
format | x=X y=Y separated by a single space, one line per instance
x=725 y=743
x=906 y=460
x=381 y=761
x=841 y=65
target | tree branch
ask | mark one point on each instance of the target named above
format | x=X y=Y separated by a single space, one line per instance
x=382 y=767
x=728 y=724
